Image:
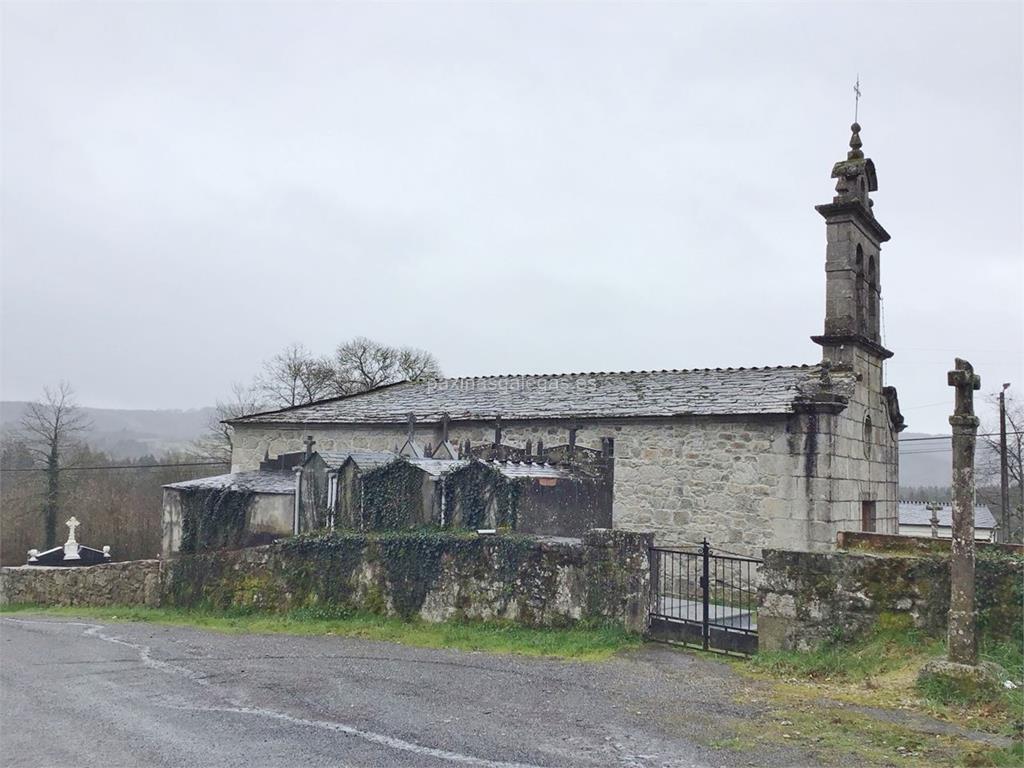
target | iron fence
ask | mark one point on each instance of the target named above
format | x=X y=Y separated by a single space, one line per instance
x=698 y=597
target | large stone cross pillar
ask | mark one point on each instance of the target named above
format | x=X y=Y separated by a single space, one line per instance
x=963 y=639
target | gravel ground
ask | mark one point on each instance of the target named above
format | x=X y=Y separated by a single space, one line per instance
x=83 y=693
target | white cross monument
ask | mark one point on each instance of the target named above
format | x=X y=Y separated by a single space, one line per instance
x=71 y=545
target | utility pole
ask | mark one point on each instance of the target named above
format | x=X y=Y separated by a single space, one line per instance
x=1004 y=472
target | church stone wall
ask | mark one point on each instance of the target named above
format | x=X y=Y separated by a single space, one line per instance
x=744 y=483
x=866 y=460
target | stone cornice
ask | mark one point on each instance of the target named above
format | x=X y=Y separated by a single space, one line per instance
x=853 y=209
x=853 y=338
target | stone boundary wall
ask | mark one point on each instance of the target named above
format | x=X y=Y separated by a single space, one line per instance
x=134 y=582
x=885 y=542
x=434 y=576
x=810 y=598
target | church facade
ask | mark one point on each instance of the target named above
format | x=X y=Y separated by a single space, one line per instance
x=747 y=457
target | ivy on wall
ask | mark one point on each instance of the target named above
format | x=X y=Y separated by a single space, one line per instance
x=213 y=518
x=412 y=563
x=319 y=568
x=470 y=492
x=393 y=496
x=1000 y=596
x=389 y=572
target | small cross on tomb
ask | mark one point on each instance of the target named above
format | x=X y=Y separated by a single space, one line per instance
x=309 y=442
x=72 y=523
x=71 y=545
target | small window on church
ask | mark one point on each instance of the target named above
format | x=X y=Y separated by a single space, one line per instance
x=868 y=438
x=868 y=519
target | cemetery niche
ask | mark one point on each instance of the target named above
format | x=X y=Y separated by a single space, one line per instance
x=563 y=490
x=71 y=553
x=559 y=491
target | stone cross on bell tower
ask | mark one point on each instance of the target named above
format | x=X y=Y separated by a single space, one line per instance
x=852 y=261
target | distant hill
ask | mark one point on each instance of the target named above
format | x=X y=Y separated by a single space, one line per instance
x=129 y=434
x=125 y=434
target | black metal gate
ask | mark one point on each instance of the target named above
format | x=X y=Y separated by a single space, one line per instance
x=700 y=598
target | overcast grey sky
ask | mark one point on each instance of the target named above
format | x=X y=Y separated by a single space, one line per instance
x=520 y=188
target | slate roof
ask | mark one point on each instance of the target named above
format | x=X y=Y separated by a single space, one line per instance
x=917 y=513
x=707 y=392
x=257 y=481
x=365 y=460
x=510 y=469
x=437 y=467
x=545 y=471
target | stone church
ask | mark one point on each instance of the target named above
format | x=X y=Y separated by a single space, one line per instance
x=747 y=457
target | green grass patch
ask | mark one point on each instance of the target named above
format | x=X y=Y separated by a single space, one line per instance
x=584 y=642
x=881 y=671
x=888 y=649
x=1013 y=757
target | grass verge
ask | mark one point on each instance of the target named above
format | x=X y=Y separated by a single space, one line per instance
x=861 y=700
x=586 y=642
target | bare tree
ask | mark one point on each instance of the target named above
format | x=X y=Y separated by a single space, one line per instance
x=362 y=364
x=417 y=364
x=295 y=376
x=51 y=426
x=1011 y=521
x=215 y=444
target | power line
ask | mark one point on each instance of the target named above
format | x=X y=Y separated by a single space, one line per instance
x=950 y=437
x=123 y=466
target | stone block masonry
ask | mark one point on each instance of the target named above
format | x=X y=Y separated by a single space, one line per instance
x=811 y=598
x=787 y=481
x=135 y=582
x=433 y=576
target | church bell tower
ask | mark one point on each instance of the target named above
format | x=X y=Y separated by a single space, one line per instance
x=852 y=263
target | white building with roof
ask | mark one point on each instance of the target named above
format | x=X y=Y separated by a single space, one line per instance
x=919 y=518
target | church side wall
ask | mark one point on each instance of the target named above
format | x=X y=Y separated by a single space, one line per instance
x=866 y=460
x=741 y=482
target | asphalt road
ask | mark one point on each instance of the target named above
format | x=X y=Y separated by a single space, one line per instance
x=77 y=693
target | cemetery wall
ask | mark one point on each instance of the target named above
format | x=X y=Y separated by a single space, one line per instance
x=435 y=576
x=810 y=598
x=135 y=582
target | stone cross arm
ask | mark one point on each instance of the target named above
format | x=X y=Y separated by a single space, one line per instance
x=966 y=381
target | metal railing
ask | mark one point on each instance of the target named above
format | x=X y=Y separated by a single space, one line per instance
x=701 y=597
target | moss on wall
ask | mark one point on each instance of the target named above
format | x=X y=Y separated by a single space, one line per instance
x=213 y=518
x=431 y=574
x=479 y=496
x=807 y=598
x=393 y=497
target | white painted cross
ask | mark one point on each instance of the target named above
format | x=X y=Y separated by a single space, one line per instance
x=72 y=523
x=71 y=545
